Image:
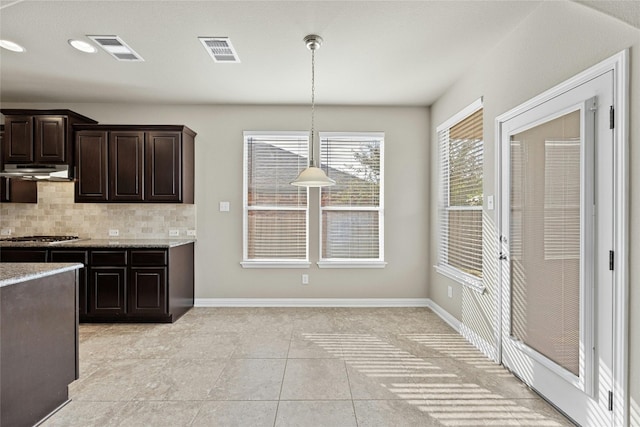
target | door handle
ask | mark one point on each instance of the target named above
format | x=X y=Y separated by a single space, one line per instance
x=502 y=257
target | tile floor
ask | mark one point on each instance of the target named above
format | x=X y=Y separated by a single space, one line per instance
x=293 y=367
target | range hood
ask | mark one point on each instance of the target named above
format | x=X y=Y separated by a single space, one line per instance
x=36 y=172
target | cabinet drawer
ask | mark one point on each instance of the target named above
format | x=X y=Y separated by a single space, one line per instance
x=69 y=256
x=23 y=255
x=148 y=258
x=108 y=258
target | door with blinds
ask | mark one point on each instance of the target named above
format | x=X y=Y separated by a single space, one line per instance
x=556 y=231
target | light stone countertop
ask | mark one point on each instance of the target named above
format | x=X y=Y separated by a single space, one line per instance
x=17 y=272
x=103 y=243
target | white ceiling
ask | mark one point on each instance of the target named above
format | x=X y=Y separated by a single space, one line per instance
x=375 y=52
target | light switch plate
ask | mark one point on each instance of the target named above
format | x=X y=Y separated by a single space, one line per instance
x=191 y=232
x=224 y=206
x=114 y=232
x=5 y=232
x=174 y=233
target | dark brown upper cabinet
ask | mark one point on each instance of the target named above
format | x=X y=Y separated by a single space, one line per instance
x=126 y=151
x=40 y=136
x=92 y=176
x=152 y=164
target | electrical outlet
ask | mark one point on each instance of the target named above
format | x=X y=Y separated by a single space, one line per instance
x=5 y=232
x=114 y=232
x=450 y=292
x=191 y=233
x=174 y=233
x=305 y=279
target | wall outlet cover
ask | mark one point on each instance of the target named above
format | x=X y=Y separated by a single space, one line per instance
x=191 y=233
x=174 y=233
x=5 y=232
x=114 y=232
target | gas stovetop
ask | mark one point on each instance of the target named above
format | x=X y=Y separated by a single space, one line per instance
x=40 y=239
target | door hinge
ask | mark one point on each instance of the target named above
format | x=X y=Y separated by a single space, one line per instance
x=610 y=400
x=612 y=117
x=611 y=259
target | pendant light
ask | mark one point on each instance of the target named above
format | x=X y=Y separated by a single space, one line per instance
x=313 y=176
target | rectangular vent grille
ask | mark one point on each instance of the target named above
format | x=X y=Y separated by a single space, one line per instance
x=220 y=49
x=117 y=48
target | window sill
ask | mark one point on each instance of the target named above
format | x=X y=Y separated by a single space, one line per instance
x=351 y=264
x=470 y=282
x=275 y=264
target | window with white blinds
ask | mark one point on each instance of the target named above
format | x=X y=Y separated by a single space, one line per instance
x=352 y=210
x=275 y=212
x=460 y=140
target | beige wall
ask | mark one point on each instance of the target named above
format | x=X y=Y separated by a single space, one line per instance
x=555 y=42
x=219 y=147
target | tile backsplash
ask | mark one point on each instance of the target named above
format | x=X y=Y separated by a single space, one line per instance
x=57 y=214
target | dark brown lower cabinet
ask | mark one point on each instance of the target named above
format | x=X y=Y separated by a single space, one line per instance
x=148 y=291
x=124 y=285
x=80 y=256
x=107 y=292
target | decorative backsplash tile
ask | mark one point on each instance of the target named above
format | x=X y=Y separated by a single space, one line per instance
x=57 y=214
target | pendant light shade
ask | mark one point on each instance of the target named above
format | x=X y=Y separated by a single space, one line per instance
x=313 y=176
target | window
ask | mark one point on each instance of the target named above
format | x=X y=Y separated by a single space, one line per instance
x=352 y=211
x=460 y=212
x=275 y=212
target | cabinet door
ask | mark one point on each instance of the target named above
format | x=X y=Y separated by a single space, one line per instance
x=91 y=163
x=18 y=139
x=63 y=255
x=49 y=141
x=126 y=151
x=148 y=290
x=107 y=291
x=23 y=255
x=163 y=167
x=18 y=191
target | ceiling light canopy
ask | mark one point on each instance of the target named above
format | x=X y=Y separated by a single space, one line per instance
x=82 y=46
x=313 y=176
x=12 y=46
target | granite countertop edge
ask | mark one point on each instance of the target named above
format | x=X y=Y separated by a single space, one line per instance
x=102 y=243
x=12 y=273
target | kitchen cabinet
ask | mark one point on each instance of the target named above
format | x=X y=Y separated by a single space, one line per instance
x=107 y=283
x=40 y=136
x=78 y=256
x=18 y=191
x=13 y=190
x=135 y=163
x=123 y=284
x=91 y=166
x=23 y=255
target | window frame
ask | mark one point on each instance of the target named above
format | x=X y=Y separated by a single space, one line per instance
x=378 y=262
x=268 y=262
x=473 y=282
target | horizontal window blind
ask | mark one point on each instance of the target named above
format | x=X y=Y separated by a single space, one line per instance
x=352 y=209
x=276 y=212
x=562 y=199
x=461 y=169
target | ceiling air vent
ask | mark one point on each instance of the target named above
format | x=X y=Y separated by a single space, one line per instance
x=117 y=48
x=220 y=49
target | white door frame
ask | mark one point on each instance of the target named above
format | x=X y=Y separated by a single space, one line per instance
x=619 y=64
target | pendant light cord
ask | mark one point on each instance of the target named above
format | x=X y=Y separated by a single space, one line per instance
x=313 y=103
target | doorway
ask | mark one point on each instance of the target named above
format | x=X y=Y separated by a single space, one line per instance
x=559 y=207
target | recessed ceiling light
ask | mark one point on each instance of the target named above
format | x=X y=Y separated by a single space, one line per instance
x=12 y=46
x=83 y=46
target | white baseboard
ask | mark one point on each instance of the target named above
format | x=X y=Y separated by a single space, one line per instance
x=476 y=340
x=311 y=302
x=444 y=315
